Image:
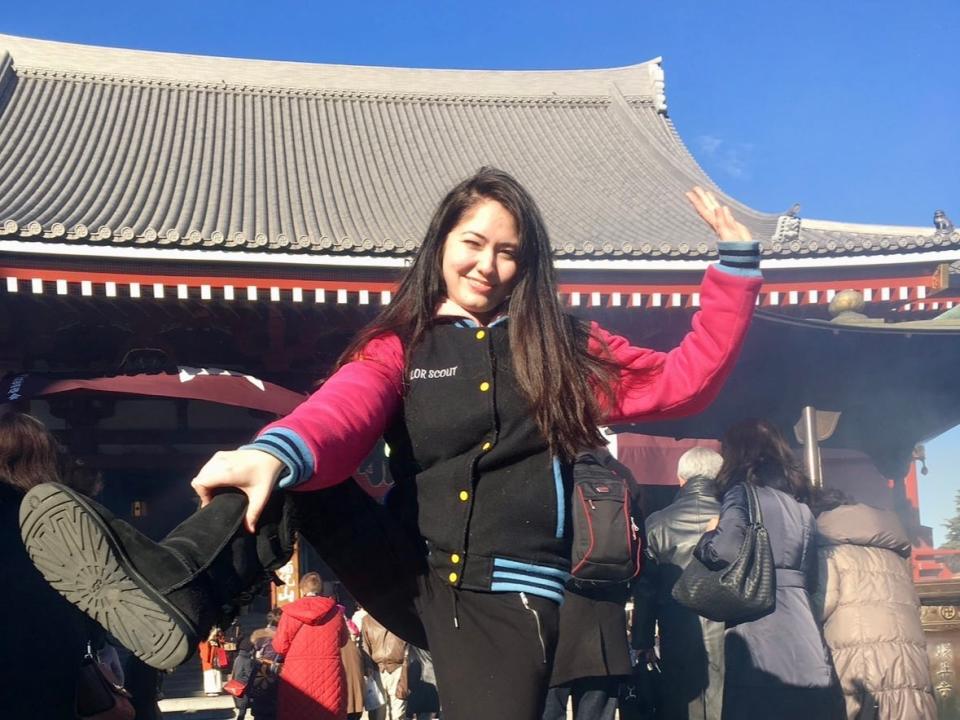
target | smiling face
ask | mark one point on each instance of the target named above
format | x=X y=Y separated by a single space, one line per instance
x=480 y=260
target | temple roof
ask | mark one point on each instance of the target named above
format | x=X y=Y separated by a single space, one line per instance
x=115 y=148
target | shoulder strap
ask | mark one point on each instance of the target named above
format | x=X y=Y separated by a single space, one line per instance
x=753 y=504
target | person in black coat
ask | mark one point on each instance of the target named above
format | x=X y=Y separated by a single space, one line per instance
x=593 y=657
x=44 y=636
x=244 y=667
x=690 y=686
x=775 y=665
x=423 y=702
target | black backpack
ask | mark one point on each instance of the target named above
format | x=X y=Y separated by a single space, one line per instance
x=607 y=543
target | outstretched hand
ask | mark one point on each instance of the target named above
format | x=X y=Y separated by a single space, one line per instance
x=717 y=216
x=253 y=472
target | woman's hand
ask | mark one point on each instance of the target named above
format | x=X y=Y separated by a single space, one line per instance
x=712 y=525
x=717 y=216
x=254 y=472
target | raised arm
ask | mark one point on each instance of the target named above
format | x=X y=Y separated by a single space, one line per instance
x=684 y=381
x=664 y=385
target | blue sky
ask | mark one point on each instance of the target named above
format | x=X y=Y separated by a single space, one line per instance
x=849 y=108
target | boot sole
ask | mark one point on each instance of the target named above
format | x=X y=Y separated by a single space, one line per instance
x=79 y=556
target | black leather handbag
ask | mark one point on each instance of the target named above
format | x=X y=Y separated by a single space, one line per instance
x=99 y=695
x=743 y=590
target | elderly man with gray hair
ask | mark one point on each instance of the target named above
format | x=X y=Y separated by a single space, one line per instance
x=691 y=648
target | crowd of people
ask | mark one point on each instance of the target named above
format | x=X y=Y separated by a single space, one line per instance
x=312 y=660
x=486 y=392
x=843 y=639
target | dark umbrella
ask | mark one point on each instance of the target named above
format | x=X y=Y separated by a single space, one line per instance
x=895 y=384
x=212 y=385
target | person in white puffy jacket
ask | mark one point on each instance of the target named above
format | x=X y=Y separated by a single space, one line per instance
x=870 y=611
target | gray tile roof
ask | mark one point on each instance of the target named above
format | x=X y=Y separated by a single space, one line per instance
x=105 y=146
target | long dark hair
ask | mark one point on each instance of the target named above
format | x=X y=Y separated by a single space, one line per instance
x=556 y=374
x=755 y=451
x=29 y=454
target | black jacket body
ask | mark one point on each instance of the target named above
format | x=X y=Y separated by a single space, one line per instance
x=474 y=472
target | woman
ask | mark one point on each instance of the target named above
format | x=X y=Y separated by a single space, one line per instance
x=309 y=636
x=213 y=662
x=44 y=636
x=485 y=391
x=262 y=688
x=870 y=611
x=776 y=666
x=352 y=659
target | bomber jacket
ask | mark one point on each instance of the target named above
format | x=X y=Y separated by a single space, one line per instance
x=491 y=502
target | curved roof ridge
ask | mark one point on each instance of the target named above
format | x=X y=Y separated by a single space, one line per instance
x=46 y=55
x=679 y=171
x=866 y=228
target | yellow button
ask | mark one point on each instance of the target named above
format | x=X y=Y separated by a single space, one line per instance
x=484 y=386
x=481 y=334
x=486 y=446
x=455 y=559
x=453 y=577
x=464 y=496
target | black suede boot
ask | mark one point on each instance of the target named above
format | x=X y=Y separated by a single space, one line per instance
x=158 y=599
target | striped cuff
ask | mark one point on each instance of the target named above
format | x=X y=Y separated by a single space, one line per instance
x=290 y=449
x=514 y=576
x=739 y=258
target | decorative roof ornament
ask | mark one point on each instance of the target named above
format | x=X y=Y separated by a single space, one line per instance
x=659 y=85
x=847 y=306
x=942 y=223
x=788 y=228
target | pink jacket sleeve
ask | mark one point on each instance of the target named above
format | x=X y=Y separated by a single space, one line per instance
x=324 y=440
x=655 y=385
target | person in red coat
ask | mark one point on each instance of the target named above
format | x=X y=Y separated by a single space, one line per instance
x=310 y=634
